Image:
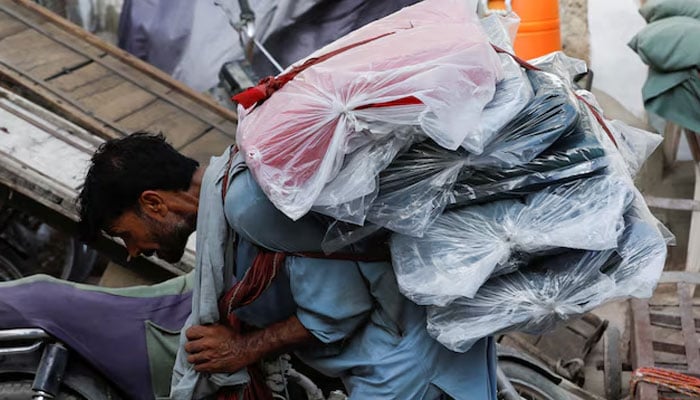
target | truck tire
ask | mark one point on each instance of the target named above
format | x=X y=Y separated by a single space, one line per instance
x=10 y=263
x=22 y=390
x=530 y=384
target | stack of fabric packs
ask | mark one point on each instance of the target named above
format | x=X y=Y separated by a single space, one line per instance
x=508 y=199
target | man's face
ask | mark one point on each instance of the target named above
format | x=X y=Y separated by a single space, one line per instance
x=165 y=236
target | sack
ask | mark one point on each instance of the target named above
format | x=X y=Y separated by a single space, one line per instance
x=429 y=65
x=553 y=289
x=465 y=246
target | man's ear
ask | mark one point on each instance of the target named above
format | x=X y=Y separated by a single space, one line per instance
x=153 y=203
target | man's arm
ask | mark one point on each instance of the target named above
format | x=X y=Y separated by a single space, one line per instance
x=218 y=348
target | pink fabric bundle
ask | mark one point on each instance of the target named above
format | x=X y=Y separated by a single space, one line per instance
x=429 y=65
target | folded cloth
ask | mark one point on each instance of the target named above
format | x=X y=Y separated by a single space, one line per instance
x=465 y=246
x=669 y=44
x=672 y=89
x=675 y=96
x=552 y=113
x=654 y=10
x=574 y=156
x=552 y=289
x=417 y=186
x=428 y=65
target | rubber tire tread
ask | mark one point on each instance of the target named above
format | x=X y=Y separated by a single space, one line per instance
x=518 y=372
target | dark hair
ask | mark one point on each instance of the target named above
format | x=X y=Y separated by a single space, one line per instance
x=122 y=169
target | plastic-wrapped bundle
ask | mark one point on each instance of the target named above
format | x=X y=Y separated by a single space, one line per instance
x=428 y=65
x=348 y=197
x=512 y=94
x=635 y=145
x=552 y=113
x=464 y=247
x=561 y=65
x=415 y=188
x=553 y=289
x=579 y=154
x=514 y=91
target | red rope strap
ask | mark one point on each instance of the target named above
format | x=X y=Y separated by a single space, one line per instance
x=671 y=380
x=267 y=86
x=531 y=67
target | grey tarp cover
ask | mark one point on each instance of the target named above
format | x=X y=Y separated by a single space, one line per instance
x=668 y=45
x=192 y=39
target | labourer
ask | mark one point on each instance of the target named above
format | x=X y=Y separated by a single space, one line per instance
x=342 y=314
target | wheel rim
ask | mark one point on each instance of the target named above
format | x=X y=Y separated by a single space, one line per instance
x=527 y=391
x=8 y=271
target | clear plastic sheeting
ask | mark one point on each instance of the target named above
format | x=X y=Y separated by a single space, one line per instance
x=635 y=145
x=417 y=186
x=553 y=289
x=514 y=91
x=434 y=52
x=561 y=65
x=552 y=113
x=579 y=154
x=512 y=94
x=348 y=197
x=464 y=247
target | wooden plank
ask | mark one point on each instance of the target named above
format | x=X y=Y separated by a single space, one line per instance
x=118 y=101
x=181 y=129
x=691 y=339
x=669 y=321
x=143 y=118
x=692 y=139
x=680 y=276
x=80 y=77
x=154 y=73
x=228 y=127
x=92 y=88
x=672 y=138
x=69 y=132
x=211 y=144
x=204 y=108
x=48 y=27
x=33 y=52
x=672 y=204
x=58 y=101
x=10 y=26
x=693 y=258
x=177 y=98
x=642 y=350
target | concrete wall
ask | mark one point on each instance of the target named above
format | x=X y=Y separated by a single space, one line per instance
x=618 y=70
x=575 y=35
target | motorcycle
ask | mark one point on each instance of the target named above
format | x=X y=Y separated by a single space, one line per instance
x=101 y=343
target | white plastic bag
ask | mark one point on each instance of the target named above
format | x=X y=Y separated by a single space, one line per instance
x=533 y=300
x=464 y=247
x=433 y=58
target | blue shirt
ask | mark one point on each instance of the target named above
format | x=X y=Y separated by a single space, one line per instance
x=375 y=339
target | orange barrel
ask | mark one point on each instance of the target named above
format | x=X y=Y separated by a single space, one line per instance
x=539 y=31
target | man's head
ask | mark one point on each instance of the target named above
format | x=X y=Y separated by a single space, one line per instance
x=138 y=188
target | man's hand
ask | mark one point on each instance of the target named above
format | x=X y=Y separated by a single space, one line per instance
x=218 y=348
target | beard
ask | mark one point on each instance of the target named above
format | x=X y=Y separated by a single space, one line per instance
x=172 y=239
